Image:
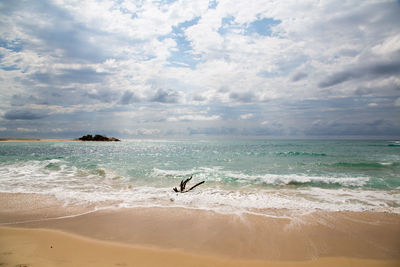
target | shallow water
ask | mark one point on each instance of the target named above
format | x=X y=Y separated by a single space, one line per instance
x=241 y=176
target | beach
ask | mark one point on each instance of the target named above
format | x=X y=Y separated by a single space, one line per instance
x=50 y=234
x=263 y=203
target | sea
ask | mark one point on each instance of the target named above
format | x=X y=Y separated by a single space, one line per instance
x=241 y=176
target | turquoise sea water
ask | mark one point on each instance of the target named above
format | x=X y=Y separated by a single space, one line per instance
x=240 y=175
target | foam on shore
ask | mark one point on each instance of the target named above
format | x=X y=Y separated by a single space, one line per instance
x=240 y=236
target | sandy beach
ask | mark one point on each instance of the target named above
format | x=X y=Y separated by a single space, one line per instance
x=28 y=247
x=51 y=233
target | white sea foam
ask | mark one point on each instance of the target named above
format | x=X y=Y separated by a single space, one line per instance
x=68 y=183
x=218 y=174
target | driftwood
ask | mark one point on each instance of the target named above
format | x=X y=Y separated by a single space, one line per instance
x=182 y=186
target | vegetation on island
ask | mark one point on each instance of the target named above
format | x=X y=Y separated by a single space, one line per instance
x=97 y=137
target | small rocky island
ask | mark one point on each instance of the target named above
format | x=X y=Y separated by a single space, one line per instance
x=97 y=137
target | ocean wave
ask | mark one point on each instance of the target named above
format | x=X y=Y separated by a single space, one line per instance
x=236 y=201
x=295 y=154
x=51 y=175
x=218 y=174
x=366 y=164
x=394 y=143
x=99 y=185
x=224 y=191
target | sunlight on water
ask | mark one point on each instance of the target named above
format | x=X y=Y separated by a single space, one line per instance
x=240 y=175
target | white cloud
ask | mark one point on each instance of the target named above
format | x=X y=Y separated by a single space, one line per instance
x=388 y=46
x=142 y=131
x=84 y=57
x=194 y=118
x=27 y=130
x=246 y=116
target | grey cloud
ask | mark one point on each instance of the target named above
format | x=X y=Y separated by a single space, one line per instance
x=348 y=52
x=299 y=76
x=128 y=98
x=67 y=76
x=64 y=33
x=234 y=131
x=389 y=89
x=51 y=95
x=213 y=131
x=73 y=40
x=21 y=100
x=379 y=127
x=199 y=98
x=103 y=96
x=165 y=96
x=262 y=131
x=23 y=115
x=245 y=97
x=372 y=71
x=57 y=30
x=338 y=78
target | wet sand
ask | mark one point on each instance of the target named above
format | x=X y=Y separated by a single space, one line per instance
x=187 y=237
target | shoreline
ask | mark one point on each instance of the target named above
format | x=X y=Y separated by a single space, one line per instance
x=35 y=140
x=369 y=238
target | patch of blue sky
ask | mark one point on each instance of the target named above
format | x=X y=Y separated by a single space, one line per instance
x=123 y=9
x=228 y=24
x=262 y=26
x=14 y=45
x=9 y=68
x=259 y=26
x=212 y=4
x=183 y=56
x=164 y=2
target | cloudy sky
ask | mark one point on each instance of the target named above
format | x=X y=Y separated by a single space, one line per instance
x=166 y=68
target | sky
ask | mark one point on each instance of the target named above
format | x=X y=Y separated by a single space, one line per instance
x=200 y=68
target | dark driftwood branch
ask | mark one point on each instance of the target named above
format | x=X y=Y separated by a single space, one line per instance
x=183 y=183
x=202 y=182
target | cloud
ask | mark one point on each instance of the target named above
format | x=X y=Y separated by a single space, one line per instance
x=166 y=96
x=68 y=76
x=246 y=116
x=244 y=97
x=128 y=97
x=372 y=71
x=27 y=130
x=299 y=76
x=104 y=96
x=213 y=131
x=194 y=118
x=74 y=64
x=378 y=127
x=24 y=115
x=142 y=132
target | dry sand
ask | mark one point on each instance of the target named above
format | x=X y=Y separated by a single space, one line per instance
x=28 y=247
x=185 y=237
